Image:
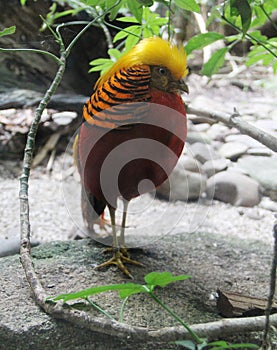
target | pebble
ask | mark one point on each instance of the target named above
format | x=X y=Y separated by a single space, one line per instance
x=233 y=150
x=259 y=151
x=239 y=190
x=217 y=132
x=64 y=118
x=268 y=204
x=211 y=167
x=190 y=164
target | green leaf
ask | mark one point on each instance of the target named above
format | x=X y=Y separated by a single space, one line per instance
x=127 y=19
x=133 y=38
x=162 y=279
x=8 y=31
x=215 y=62
x=201 y=40
x=126 y=32
x=114 y=53
x=99 y=61
x=243 y=9
x=136 y=9
x=102 y=67
x=189 y=5
x=130 y=289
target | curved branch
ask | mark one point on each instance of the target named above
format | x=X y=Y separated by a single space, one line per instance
x=236 y=121
x=210 y=330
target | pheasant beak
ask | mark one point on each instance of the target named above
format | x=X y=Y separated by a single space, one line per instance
x=182 y=86
x=178 y=85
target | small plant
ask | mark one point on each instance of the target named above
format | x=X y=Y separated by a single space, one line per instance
x=152 y=280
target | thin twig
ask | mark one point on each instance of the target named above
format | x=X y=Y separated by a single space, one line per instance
x=268 y=17
x=25 y=248
x=32 y=50
x=236 y=121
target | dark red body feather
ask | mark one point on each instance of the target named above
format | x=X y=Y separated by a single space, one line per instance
x=93 y=153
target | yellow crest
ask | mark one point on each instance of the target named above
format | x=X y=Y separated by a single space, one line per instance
x=152 y=51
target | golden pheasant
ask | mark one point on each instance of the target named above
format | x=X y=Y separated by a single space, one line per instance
x=134 y=130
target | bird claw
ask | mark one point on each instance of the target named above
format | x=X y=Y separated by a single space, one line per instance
x=120 y=256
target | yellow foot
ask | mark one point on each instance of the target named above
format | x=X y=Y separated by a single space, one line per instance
x=120 y=256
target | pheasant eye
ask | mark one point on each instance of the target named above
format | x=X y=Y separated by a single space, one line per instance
x=162 y=71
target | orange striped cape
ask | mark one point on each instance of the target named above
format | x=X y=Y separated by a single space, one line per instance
x=108 y=105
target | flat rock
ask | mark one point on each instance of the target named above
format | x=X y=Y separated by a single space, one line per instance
x=247 y=140
x=260 y=151
x=236 y=189
x=233 y=150
x=202 y=152
x=211 y=167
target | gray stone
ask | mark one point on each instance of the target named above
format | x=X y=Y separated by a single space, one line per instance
x=247 y=140
x=10 y=244
x=190 y=164
x=211 y=167
x=268 y=204
x=260 y=151
x=182 y=185
x=234 y=188
x=266 y=124
x=217 y=131
x=264 y=170
x=202 y=152
x=201 y=127
x=195 y=136
x=233 y=150
x=64 y=118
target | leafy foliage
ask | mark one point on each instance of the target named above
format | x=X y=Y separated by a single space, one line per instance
x=143 y=21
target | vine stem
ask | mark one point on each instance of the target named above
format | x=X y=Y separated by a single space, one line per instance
x=35 y=51
x=177 y=318
x=272 y=289
x=25 y=247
